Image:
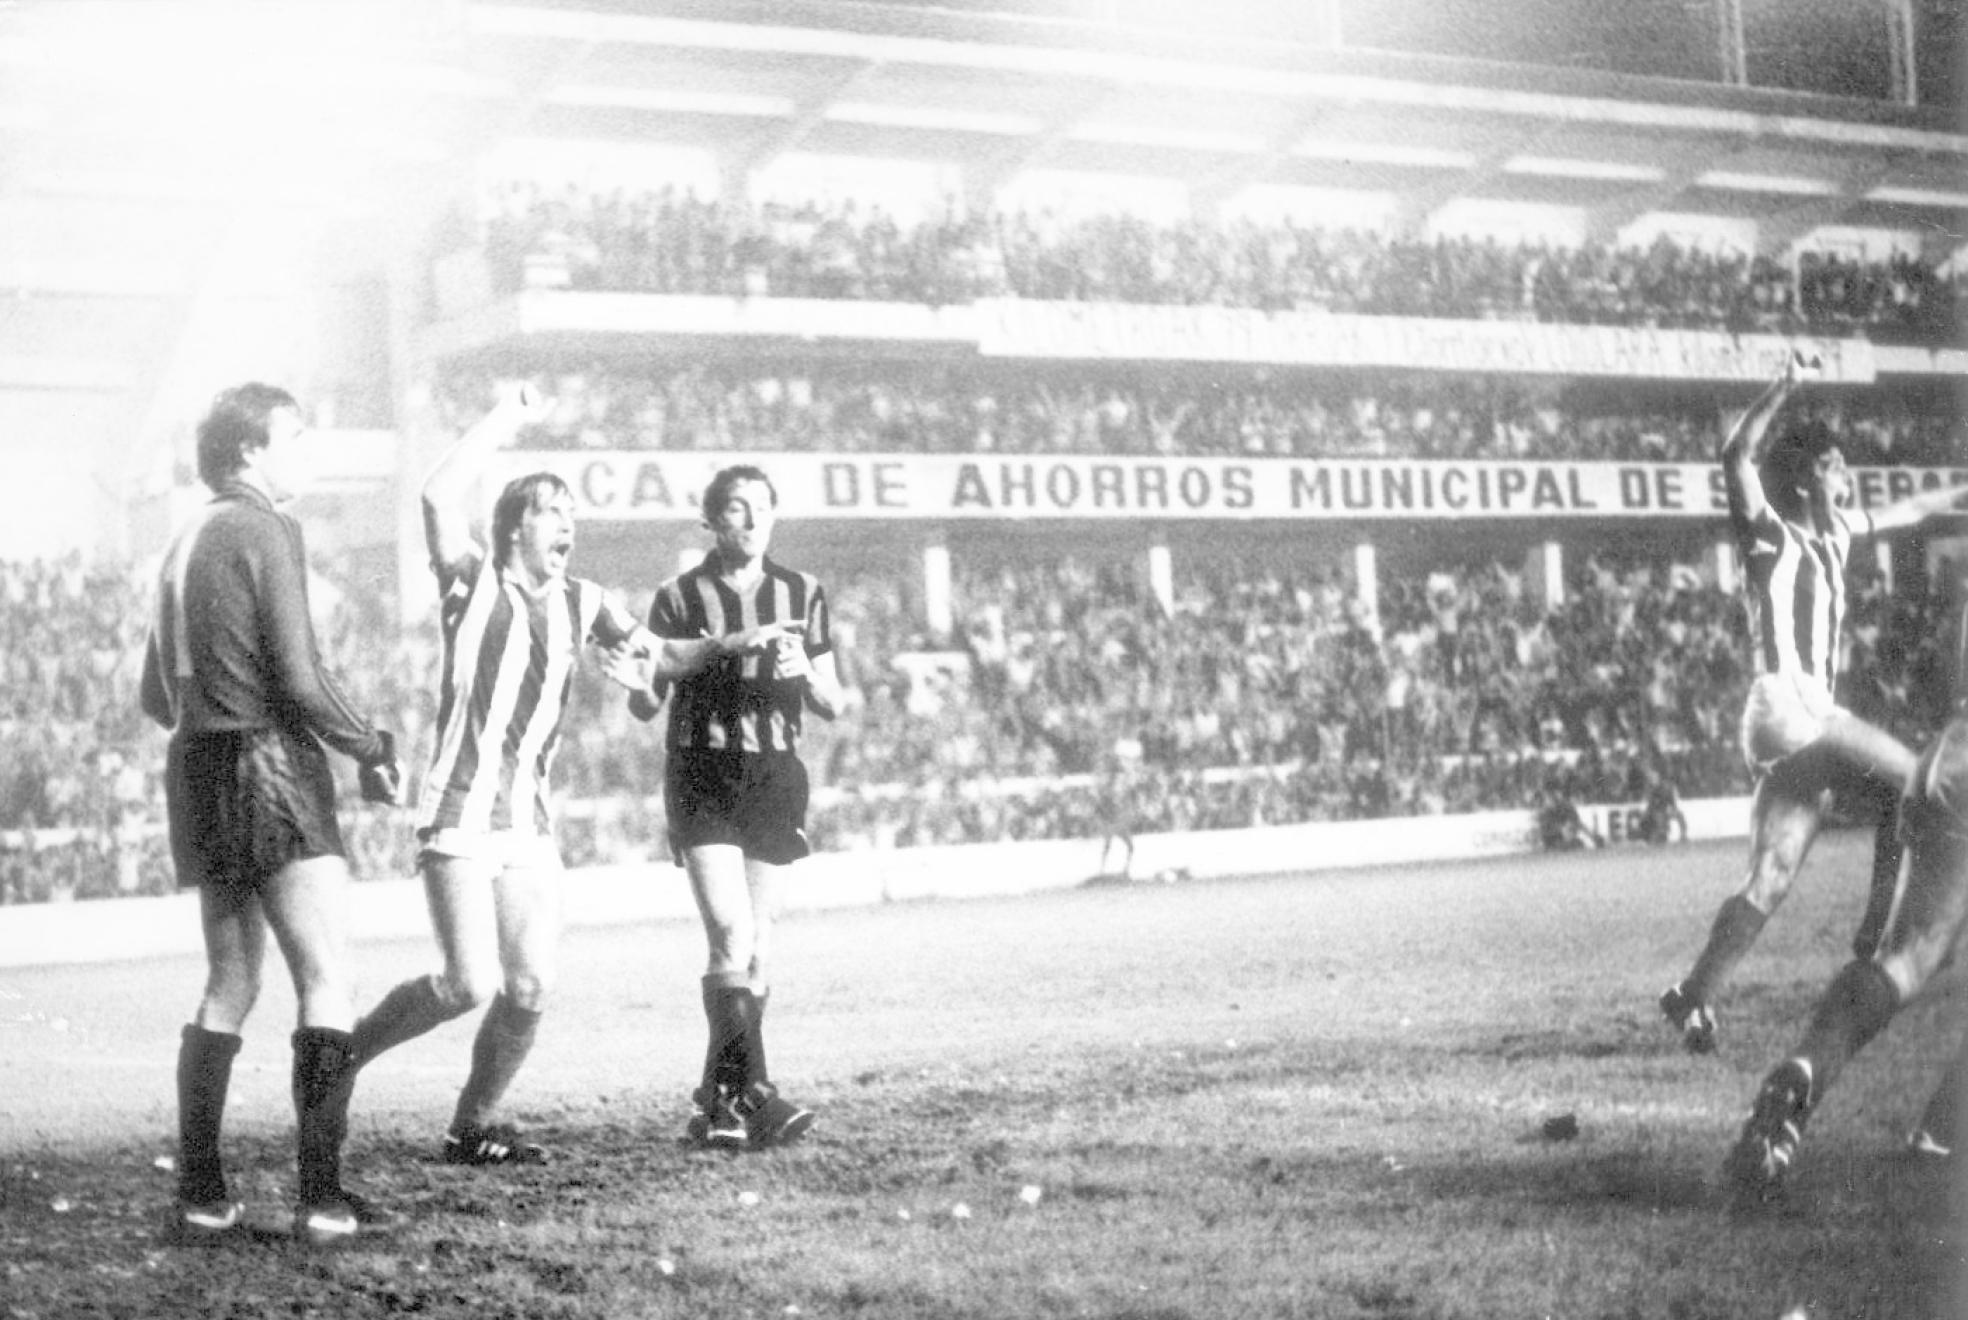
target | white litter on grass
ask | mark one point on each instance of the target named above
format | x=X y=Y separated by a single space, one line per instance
x=166 y=1163
x=665 y=1266
x=960 y=1211
x=1030 y=1193
x=903 y=1215
x=61 y=1205
x=748 y=1199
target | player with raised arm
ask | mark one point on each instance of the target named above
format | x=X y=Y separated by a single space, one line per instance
x=1925 y=924
x=515 y=624
x=746 y=647
x=1788 y=510
x=232 y=668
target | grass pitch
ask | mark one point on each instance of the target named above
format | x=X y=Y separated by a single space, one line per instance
x=1321 y=1095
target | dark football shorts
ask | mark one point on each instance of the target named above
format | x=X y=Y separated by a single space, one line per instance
x=243 y=804
x=756 y=802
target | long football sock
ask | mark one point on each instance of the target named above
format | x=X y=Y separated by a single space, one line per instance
x=755 y=1071
x=1737 y=924
x=410 y=1009
x=324 y=1081
x=727 y=1014
x=1859 y=1003
x=1886 y=856
x=504 y=1040
x=204 y=1076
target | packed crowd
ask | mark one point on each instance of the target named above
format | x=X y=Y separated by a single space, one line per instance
x=864 y=407
x=1068 y=703
x=671 y=241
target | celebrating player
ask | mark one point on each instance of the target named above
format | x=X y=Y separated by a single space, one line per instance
x=1787 y=509
x=746 y=647
x=232 y=669
x=1925 y=924
x=514 y=625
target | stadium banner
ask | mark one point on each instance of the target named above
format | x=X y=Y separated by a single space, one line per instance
x=650 y=486
x=1010 y=327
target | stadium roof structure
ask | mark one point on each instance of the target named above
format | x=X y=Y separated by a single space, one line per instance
x=147 y=149
x=1000 y=94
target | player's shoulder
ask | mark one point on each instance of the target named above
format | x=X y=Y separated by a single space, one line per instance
x=787 y=573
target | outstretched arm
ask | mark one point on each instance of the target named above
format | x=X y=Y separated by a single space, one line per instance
x=452 y=483
x=1917 y=509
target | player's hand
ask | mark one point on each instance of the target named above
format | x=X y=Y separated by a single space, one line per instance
x=766 y=636
x=525 y=404
x=629 y=664
x=790 y=662
x=382 y=779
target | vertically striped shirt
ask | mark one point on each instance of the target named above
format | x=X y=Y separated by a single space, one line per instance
x=734 y=703
x=509 y=661
x=1796 y=594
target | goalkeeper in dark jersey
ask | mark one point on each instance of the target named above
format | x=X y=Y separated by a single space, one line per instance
x=233 y=670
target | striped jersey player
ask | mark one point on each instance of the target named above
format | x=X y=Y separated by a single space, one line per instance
x=1788 y=509
x=745 y=648
x=1929 y=913
x=515 y=624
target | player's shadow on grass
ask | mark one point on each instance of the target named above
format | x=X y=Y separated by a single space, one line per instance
x=1619 y=1180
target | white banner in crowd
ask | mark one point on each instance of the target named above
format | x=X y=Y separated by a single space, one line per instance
x=1010 y=327
x=658 y=486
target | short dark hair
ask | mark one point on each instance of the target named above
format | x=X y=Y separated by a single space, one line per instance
x=1792 y=463
x=719 y=490
x=533 y=491
x=236 y=424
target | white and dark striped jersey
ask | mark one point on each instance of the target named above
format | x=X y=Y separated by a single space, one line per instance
x=1796 y=594
x=734 y=704
x=509 y=662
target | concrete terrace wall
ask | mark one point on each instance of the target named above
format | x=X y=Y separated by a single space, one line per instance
x=119 y=929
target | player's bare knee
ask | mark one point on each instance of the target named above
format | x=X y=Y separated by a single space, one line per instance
x=464 y=988
x=529 y=991
x=1769 y=881
x=731 y=948
x=1910 y=966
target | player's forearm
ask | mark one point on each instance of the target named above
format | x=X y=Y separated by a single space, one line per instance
x=1916 y=509
x=679 y=657
x=449 y=483
x=156 y=701
x=824 y=696
x=1748 y=440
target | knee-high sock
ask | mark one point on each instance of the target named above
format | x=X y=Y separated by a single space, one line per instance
x=204 y=1076
x=324 y=1080
x=755 y=1036
x=504 y=1040
x=1737 y=924
x=408 y=1011
x=1859 y=1003
x=728 y=1012
x=1886 y=850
